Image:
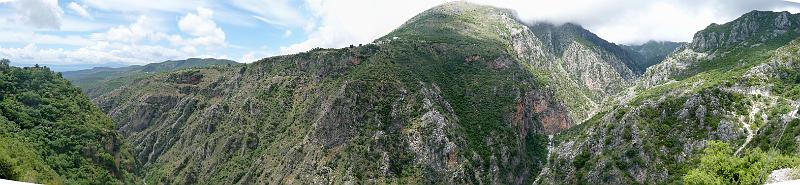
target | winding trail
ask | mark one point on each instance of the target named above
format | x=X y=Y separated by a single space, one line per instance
x=751 y=117
x=758 y=107
x=748 y=127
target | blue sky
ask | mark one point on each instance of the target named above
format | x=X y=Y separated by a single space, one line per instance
x=78 y=34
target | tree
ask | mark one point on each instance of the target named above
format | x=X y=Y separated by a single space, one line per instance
x=4 y=64
x=697 y=176
x=8 y=169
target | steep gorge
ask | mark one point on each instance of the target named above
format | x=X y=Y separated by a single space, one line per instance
x=430 y=102
x=465 y=93
x=739 y=91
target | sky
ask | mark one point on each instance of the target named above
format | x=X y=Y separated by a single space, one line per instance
x=80 y=34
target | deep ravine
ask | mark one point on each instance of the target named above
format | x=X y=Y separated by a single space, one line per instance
x=547 y=160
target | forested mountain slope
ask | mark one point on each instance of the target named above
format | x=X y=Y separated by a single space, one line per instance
x=51 y=133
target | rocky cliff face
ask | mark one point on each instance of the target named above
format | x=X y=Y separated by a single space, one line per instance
x=464 y=93
x=672 y=66
x=736 y=92
x=439 y=100
x=750 y=29
x=417 y=107
x=743 y=41
x=582 y=69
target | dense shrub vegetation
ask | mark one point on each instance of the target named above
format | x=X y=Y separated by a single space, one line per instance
x=719 y=165
x=51 y=133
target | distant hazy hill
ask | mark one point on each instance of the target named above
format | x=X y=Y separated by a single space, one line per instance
x=650 y=53
x=99 y=80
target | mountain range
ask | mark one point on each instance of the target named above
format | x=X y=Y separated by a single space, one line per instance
x=459 y=94
x=100 y=80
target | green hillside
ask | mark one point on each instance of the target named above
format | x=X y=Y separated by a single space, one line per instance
x=469 y=94
x=51 y=133
x=100 y=80
x=423 y=105
x=696 y=110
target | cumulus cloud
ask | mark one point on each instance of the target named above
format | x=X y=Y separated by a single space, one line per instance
x=203 y=31
x=345 y=22
x=79 y=9
x=140 y=42
x=203 y=28
x=100 y=53
x=39 y=13
x=30 y=37
x=141 y=30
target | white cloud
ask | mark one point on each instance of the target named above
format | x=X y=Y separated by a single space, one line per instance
x=345 y=22
x=145 y=5
x=141 y=30
x=39 y=13
x=102 y=52
x=76 y=24
x=625 y=21
x=203 y=32
x=203 y=28
x=140 y=42
x=255 y=55
x=80 y=10
x=31 y=37
x=287 y=33
x=275 y=12
x=249 y=57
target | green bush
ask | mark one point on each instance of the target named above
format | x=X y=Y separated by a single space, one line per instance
x=8 y=169
x=719 y=165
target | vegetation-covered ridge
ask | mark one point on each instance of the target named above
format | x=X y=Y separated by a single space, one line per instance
x=101 y=80
x=753 y=28
x=443 y=99
x=696 y=110
x=51 y=133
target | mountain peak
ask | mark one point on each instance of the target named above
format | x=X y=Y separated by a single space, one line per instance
x=751 y=28
x=455 y=20
x=457 y=7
